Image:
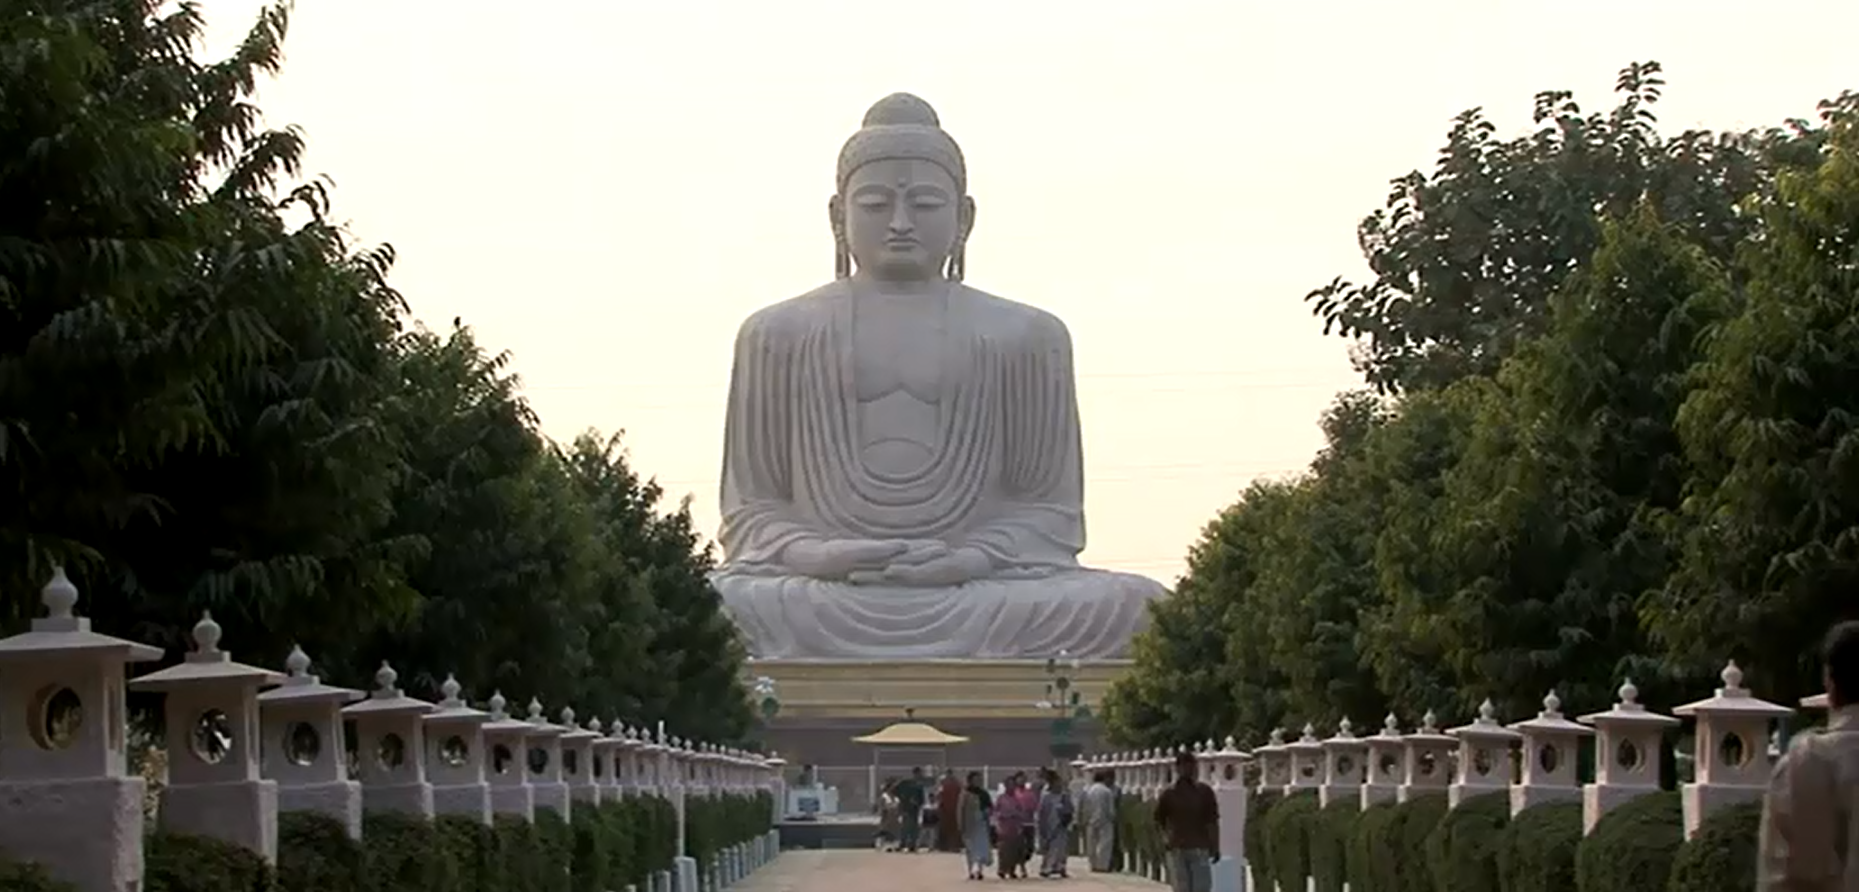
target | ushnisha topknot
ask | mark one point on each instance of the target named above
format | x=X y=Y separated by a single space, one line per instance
x=902 y=126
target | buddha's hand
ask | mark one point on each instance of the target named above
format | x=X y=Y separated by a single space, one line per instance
x=953 y=568
x=839 y=558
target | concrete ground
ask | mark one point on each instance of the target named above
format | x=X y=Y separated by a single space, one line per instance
x=866 y=870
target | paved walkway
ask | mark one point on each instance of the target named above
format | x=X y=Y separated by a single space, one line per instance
x=866 y=870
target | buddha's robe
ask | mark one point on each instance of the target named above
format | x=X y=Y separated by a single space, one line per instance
x=1005 y=477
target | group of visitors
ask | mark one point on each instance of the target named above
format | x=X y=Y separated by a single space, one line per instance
x=1033 y=816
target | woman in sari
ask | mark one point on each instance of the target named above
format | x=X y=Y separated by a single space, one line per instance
x=974 y=809
x=948 y=813
x=1013 y=816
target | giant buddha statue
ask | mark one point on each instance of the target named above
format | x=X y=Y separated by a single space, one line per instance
x=902 y=472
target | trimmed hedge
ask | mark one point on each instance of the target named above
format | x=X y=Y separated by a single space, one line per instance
x=181 y=862
x=1722 y=856
x=1287 y=839
x=715 y=823
x=1258 y=849
x=1141 y=840
x=316 y=854
x=1407 y=834
x=1536 y=851
x=1330 y=836
x=1462 y=849
x=1372 y=857
x=1632 y=847
x=404 y=853
x=21 y=876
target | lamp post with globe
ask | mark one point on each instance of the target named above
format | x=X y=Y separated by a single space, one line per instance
x=1066 y=705
x=766 y=702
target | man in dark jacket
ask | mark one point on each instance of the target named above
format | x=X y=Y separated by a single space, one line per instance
x=1189 y=817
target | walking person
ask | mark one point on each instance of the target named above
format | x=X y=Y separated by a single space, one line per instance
x=1056 y=813
x=1098 y=807
x=1810 y=817
x=1011 y=818
x=886 y=806
x=948 y=812
x=1189 y=817
x=974 y=811
x=910 y=793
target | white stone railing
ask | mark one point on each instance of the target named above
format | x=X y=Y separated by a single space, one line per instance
x=1531 y=761
x=245 y=743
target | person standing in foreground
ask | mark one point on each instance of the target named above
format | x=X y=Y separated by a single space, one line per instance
x=1810 y=817
x=1056 y=813
x=974 y=811
x=910 y=793
x=1099 y=809
x=1189 y=817
x=948 y=813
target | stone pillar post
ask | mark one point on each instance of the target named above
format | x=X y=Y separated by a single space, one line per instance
x=506 y=740
x=604 y=762
x=391 y=739
x=1224 y=769
x=677 y=766
x=1383 y=783
x=67 y=799
x=1485 y=764
x=1274 y=762
x=1626 y=755
x=578 y=760
x=1344 y=765
x=1733 y=758
x=544 y=761
x=211 y=710
x=1424 y=771
x=301 y=726
x=1306 y=761
x=455 y=756
x=1550 y=743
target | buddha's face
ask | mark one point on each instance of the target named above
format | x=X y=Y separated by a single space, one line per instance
x=902 y=218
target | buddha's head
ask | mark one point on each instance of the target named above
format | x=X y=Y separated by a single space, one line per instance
x=902 y=211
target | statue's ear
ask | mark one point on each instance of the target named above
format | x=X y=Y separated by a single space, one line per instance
x=836 y=213
x=965 y=217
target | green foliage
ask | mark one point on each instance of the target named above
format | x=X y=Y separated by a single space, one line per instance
x=1536 y=851
x=404 y=853
x=1461 y=852
x=316 y=854
x=1722 y=856
x=555 y=843
x=1288 y=832
x=1608 y=432
x=520 y=851
x=1138 y=838
x=181 y=862
x=1258 y=847
x=1407 y=833
x=24 y=876
x=1331 y=835
x=1372 y=854
x=716 y=822
x=1632 y=847
x=471 y=847
x=211 y=398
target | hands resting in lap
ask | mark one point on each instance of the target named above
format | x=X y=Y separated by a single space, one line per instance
x=924 y=563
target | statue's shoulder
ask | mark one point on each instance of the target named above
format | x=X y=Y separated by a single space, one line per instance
x=792 y=317
x=1024 y=323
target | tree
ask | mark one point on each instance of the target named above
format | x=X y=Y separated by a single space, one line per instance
x=1466 y=259
x=1769 y=529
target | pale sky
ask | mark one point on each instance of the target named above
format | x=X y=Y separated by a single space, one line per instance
x=607 y=189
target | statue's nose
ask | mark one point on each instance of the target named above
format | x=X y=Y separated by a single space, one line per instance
x=901 y=224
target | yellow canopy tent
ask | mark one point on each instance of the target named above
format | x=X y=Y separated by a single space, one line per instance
x=910 y=734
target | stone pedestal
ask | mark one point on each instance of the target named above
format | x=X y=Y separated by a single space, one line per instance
x=1344 y=765
x=1485 y=764
x=543 y=761
x=1550 y=745
x=305 y=746
x=578 y=765
x=1385 y=751
x=1626 y=755
x=1733 y=761
x=455 y=756
x=391 y=740
x=506 y=746
x=1424 y=766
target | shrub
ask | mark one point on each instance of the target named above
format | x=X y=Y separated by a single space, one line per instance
x=1258 y=849
x=519 y=850
x=1462 y=849
x=1536 y=851
x=317 y=854
x=21 y=876
x=402 y=853
x=1408 y=830
x=1287 y=837
x=1632 y=847
x=1722 y=856
x=555 y=843
x=471 y=847
x=1330 y=834
x=590 y=860
x=183 y=862
x=1372 y=855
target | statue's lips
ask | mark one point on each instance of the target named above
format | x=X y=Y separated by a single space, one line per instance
x=901 y=244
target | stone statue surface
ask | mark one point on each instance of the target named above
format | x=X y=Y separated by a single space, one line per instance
x=902 y=471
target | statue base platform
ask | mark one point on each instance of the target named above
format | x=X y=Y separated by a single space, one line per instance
x=994 y=703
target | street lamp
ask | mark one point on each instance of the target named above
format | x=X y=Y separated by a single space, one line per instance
x=1065 y=703
x=766 y=699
